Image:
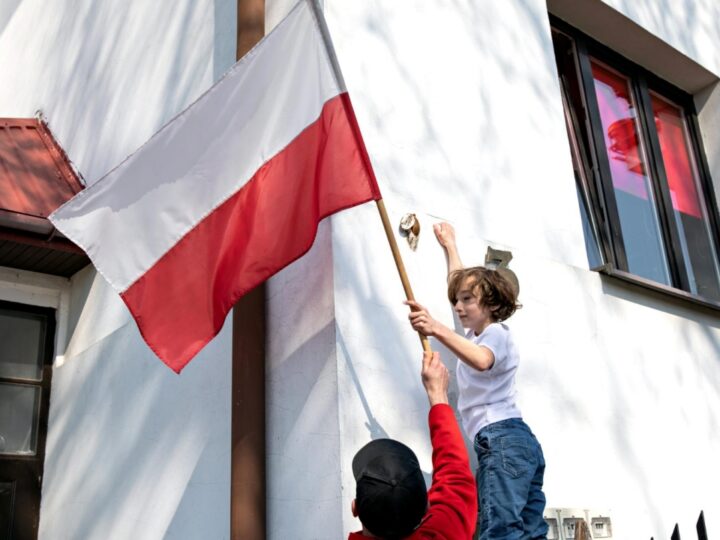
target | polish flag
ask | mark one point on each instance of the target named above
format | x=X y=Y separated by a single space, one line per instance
x=228 y=192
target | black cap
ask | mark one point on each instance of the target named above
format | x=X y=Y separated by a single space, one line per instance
x=391 y=496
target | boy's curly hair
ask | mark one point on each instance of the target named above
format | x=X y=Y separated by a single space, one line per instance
x=496 y=289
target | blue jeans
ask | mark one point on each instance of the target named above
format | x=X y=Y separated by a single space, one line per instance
x=509 y=482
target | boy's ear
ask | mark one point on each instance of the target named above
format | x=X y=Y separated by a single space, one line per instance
x=353 y=508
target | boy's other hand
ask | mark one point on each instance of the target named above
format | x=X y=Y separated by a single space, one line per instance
x=435 y=378
x=420 y=319
x=445 y=234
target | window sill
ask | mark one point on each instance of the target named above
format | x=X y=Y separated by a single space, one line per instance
x=608 y=270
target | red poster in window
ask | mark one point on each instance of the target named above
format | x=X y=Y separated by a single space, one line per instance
x=678 y=163
x=618 y=117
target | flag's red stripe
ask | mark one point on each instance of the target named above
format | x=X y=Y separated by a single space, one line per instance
x=181 y=302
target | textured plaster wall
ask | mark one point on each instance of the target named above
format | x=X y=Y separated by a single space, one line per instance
x=133 y=450
x=305 y=490
x=707 y=103
x=460 y=109
x=690 y=26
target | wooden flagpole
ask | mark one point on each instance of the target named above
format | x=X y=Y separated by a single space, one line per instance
x=320 y=18
x=399 y=264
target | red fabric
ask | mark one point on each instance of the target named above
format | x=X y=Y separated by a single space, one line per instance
x=452 y=514
x=676 y=157
x=618 y=117
x=626 y=161
x=181 y=302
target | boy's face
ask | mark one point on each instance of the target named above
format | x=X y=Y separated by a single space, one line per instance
x=470 y=310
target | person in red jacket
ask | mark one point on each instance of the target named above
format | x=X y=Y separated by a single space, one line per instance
x=391 y=500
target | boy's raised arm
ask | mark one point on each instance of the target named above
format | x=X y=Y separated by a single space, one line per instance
x=445 y=234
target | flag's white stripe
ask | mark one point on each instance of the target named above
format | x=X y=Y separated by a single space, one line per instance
x=205 y=154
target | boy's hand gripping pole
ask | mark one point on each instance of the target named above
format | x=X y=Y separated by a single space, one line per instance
x=399 y=264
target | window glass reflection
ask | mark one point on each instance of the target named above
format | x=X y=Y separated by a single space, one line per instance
x=631 y=182
x=579 y=138
x=689 y=212
x=20 y=345
x=19 y=410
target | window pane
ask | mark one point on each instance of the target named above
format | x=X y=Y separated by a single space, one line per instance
x=21 y=337
x=577 y=134
x=591 y=246
x=690 y=214
x=639 y=222
x=19 y=409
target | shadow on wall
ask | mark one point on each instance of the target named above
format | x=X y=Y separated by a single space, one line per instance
x=705 y=323
x=513 y=56
x=628 y=353
x=7 y=10
x=388 y=359
x=133 y=449
x=680 y=22
x=294 y=384
x=660 y=302
x=707 y=102
x=375 y=429
x=521 y=28
x=615 y=355
x=119 y=71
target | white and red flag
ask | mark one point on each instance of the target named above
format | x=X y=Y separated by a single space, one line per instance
x=227 y=193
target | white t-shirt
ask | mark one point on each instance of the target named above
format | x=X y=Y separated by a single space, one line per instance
x=489 y=396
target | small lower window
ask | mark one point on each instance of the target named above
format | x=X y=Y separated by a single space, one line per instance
x=27 y=334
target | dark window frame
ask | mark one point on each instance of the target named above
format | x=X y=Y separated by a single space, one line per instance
x=26 y=471
x=598 y=195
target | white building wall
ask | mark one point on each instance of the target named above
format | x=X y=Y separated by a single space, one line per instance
x=133 y=450
x=708 y=105
x=690 y=26
x=460 y=108
x=304 y=483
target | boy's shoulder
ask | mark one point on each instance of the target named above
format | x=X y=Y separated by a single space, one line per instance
x=496 y=328
x=494 y=331
x=498 y=324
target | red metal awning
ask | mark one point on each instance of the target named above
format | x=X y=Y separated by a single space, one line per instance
x=35 y=175
x=35 y=178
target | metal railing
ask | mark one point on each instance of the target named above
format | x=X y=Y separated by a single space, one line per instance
x=699 y=527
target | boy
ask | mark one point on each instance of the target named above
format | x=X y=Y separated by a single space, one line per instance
x=510 y=460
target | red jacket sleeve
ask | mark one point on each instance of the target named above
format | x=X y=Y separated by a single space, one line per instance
x=452 y=498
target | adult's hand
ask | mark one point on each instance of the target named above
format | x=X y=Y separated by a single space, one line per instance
x=435 y=378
